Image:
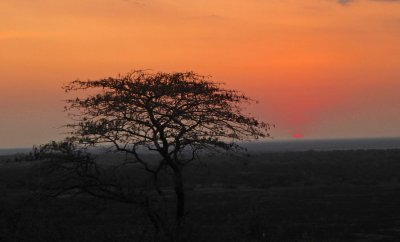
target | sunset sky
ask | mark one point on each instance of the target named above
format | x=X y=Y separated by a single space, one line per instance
x=319 y=68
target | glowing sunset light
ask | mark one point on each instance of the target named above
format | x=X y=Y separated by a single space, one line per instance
x=321 y=68
x=298 y=136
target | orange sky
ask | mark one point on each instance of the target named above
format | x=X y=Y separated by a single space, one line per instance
x=320 y=68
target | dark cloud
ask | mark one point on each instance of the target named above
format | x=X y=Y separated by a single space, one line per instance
x=345 y=2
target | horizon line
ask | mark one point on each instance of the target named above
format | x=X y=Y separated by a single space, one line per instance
x=271 y=139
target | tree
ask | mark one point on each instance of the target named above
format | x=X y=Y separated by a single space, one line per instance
x=175 y=115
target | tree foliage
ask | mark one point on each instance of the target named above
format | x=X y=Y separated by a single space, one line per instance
x=72 y=170
x=168 y=113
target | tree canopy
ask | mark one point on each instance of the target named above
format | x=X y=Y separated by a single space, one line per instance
x=165 y=112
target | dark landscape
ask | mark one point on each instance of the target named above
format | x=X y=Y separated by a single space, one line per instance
x=308 y=195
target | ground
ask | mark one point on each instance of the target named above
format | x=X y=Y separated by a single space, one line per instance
x=286 y=196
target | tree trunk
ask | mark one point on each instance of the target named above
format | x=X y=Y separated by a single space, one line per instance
x=180 y=196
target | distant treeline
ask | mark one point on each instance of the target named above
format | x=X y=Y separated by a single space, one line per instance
x=304 y=168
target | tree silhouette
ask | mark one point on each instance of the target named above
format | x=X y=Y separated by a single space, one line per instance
x=175 y=115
